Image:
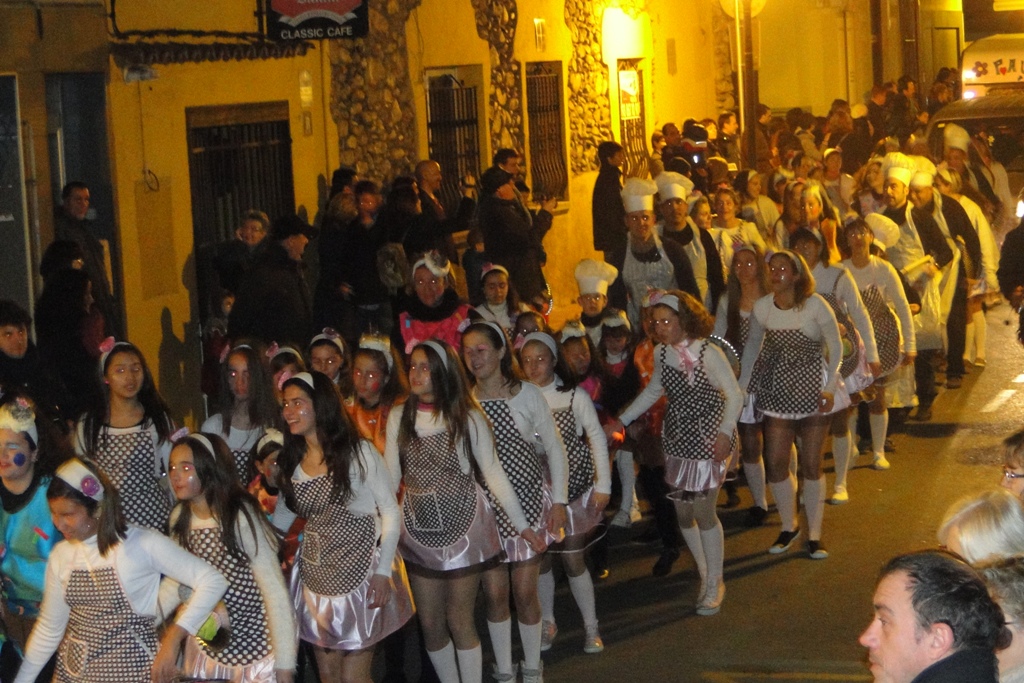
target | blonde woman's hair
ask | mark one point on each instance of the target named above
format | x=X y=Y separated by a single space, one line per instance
x=989 y=526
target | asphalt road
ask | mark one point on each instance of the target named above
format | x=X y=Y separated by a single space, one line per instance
x=787 y=617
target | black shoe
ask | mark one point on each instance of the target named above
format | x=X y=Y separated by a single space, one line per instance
x=864 y=446
x=816 y=550
x=732 y=499
x=664 y=564
x=954 y=382
x=890 y=447
x=783 y=542
x=923 y=414
x=755 y=517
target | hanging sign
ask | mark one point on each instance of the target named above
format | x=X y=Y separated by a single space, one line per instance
x=629 y=95
x=317 y=19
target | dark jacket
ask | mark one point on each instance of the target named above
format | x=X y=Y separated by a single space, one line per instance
x=233 y=261
x=966 y=666
x=856 y=147
x=37 y=379
x=68 y=228
x=437 y=227
x=879 y=121
x=273 y=302
x=935 y=244
x=729 y=149
x=608 y=212
x=716 y=278
x=510 y=239
x=1011 y=262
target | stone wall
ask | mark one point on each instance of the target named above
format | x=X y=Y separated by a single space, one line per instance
x=496 y=22
x=589 y=108
x=722 y=31
x=371 y=95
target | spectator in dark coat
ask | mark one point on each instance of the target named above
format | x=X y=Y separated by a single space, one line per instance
x=610 y=216
x=437 y=225
x=1011 y=266
x=273 y=301
x=22 y=368
x=234 y=258
x=510 y=239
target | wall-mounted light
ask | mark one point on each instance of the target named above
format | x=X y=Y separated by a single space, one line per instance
x=540 y=37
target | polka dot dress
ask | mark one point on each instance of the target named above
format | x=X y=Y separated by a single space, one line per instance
x=887 y=329
x=522 y=466
x=577 y=451
x=337 y=547
x=440 y=499
x=105 y=640
x=250 y=635
x=694 y=414
x=129 y=460
x=851 y=342
x=788 y=375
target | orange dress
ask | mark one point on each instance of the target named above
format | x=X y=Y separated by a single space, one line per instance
x=371 y=422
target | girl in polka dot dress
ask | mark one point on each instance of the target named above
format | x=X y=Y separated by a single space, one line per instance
x=219 y=522
x=519 y=415
x=436 y=449
x=790 y=369
x=379 y=384
x=589 y=481
x=329 y=354
x=698 y=432
x=100 y=603
x=129 y=435
x=248 y=405
x=349 y=588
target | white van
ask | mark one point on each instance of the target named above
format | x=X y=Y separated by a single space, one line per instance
x=994 y=62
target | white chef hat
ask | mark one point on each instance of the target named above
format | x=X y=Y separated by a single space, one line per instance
x=886 y=233
x=925 y=173
x=899 y=166
x=955 y=137
x=638 y=194
x=593 y=277
x=672 y=185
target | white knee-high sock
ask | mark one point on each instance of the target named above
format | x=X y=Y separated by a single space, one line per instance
x=627 y=475
x=582 y=588
x=879 y=426
x=754 y=471
x=969 y=350
x=546 y=592
x=784 y=493
x=501 y=643
x=980 y=335
x=694 y=542
x=530 y=635
x=444 y=663
x=471 y=664
x=793 y=460
x=814 y=506
x=713 y=541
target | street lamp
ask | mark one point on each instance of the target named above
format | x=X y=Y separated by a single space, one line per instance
x=743 y=12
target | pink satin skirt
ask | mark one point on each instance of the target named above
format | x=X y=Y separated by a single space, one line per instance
x=518 y=550
x=480 y=544
x=346 y=622
x=689 y=476
x=199 y=665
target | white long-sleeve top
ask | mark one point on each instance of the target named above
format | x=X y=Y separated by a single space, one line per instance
x=719 y=373
x=726 y=240
x=237 y=439
x=262 y=554
x=814 y=319
x=533 y=419
x=989 y=248
x=884 y=277
x=828 y=279
x=139 y=560
x=587 y=423
x=481 y=441
x=371 y=493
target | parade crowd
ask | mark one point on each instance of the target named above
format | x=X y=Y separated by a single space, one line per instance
x=380 y=447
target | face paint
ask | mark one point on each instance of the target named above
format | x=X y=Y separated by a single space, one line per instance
x=19 y=459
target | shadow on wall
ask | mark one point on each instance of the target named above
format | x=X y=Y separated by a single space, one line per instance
x=179 y=368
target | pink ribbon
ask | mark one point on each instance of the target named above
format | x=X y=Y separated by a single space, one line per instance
x=687 y=361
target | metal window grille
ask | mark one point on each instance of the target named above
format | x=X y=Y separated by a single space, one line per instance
x=547 y=130
x=632 y=132
x=453 y=135
x=240 y=158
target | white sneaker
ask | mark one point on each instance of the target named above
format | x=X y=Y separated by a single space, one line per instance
x=532 y=675
x=503 y=678
x=593 y=643
x=623 y=518
x=839 y=496
x=711 y=603
x=548 y=631
x=880 y=462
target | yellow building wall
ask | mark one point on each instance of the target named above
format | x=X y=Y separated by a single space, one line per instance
x=681 y=33
x=810 y=55
x=148 y=131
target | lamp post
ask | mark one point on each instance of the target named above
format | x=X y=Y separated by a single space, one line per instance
x=743 y=12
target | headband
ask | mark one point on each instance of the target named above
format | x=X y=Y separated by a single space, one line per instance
x=274 y=351
x=489 y=268
x=271 y=436
x=438 y=349
x=329 y=335
x=178 y=437
x=107 y=347
x=228 y=350
x=545 y=339
x=798 y=262
x=18 y=416
x=75 y=474
x=305 y=378
x=374 y=342
x=433 y=262
x=661 y=298
x=615 y=318
x=497 y=328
